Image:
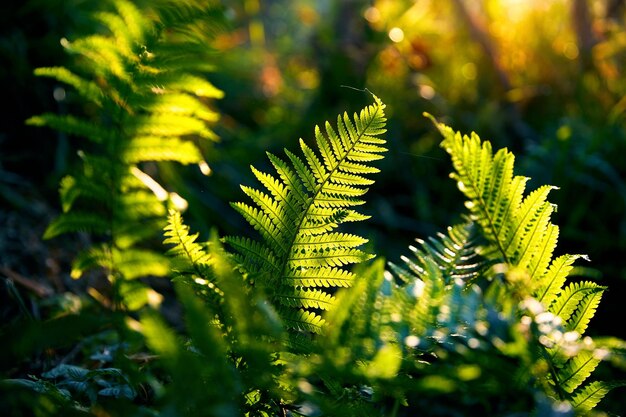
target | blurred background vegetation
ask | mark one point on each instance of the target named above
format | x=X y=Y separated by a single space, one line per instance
x=545 y=78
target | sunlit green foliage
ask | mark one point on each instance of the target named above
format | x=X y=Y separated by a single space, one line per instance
x=301 y=255
x=143 y=75
x=279 y=312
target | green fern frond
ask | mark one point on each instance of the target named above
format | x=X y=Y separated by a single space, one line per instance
x=191 y=262
x=75 y=221
x=135 y=263
x=131 y=263
x=302 y=206
x=427 y=293
x=89 y=90
x=150 y=107
x=184 y=245
x=587 y=398
x=572 y=299
x=522 y=239
x=585 y=310
x=554 y=279
x=516 y=225
x=156 y=148
x=577 y=370
x=72 y=126
x=73 y=187
x=302 y=320
x=94 y=257
x=454 y=253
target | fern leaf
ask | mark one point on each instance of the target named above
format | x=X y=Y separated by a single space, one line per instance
x=309 y=198
x=256 y=256
x=571 y=298
x=71 y=125
x=154 y=148
x=87 y=89
x=585 y=310
x=160 y=124
x=587 y=398
x=184 y=245
x=512 y=222
x=149 y=107
x=319 y=277
x=320 y=258
x=192 y=84
x=72 y=188
x=75 y=221
x=133 y=263
x=554 y=279
x=546 y=243
x=455 y=254
x=577 y=370
x=308 y=299
x=303 y=320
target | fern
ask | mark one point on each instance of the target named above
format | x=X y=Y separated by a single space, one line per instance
x=520 y=236
x=455 y=254
x=300 y=256
x=191 y=262
x=152 y=105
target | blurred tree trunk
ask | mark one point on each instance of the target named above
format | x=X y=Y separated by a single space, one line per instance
x=586 y=39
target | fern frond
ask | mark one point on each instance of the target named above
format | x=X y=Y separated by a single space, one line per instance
x=309 y=198
x=191 y=261
x=72 y=126
x=135 y=263
x=302 y=320
x=188 y=83
x=164 y=125
x=585 y=310
x=76 y=221
x=572 y=298
x=307 y=299
x=73 y=187
x=319 y=277
x=587 y=398
x=184 y=244
x=454 y=253
x=131 y=263
x=522 y=238
x=554 y=279
x=513 y=223
x=156 y=148
x=577 y=370
x=151 y=107
x=427 y=293
x=87 y=89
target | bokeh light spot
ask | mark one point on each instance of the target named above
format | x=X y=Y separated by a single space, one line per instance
x=372 y=14
x=59 y=94
x=426 y=91
x=396 y=34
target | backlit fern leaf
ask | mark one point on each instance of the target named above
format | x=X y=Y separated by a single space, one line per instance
x=590 y=395
x=191 y=261
x=304 y=202
x=521 y=238
x=454 y=253
x=142 y=76
x=577 y=370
